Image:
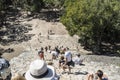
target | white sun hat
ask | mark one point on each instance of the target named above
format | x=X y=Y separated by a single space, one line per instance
x=39 y=70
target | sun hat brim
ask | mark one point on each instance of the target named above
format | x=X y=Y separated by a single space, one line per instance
x=49 y=76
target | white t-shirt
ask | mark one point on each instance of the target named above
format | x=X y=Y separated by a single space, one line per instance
x=77 y=60
x=68 y=55
x=54 y=53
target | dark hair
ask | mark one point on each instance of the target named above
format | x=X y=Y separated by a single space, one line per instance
x=40 y=52
x=78 y=55
x=67 y=48
x=62 y=57
x=100 y=74
x=1 y=54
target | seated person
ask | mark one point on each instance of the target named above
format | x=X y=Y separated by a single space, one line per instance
x=77 y=60
x=98 y=76
x=63 y=51
x=62 y=63
x=39 y=70
x=54 y=54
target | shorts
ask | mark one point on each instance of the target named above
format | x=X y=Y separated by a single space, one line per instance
x=69 y=63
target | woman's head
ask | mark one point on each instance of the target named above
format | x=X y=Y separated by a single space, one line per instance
x=99 y=73
x=62 y=57
x=78 y=55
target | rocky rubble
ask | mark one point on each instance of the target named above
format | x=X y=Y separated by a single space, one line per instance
x=14 y=33
x=23 y=33
x=21 y=64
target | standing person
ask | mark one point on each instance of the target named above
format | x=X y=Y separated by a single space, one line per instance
x=41 y=54
x=42 y=49
x=5 y=71
x=57 y=50
x=46 y=48
x=68 y=59
x=49 y=47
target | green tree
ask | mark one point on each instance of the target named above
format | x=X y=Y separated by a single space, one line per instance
x=51 y=4
x=4 y=4
x=95 y=21
x=29 y=5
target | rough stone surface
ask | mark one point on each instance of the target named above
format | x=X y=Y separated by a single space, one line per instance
x=21 y=64
x=28 y=50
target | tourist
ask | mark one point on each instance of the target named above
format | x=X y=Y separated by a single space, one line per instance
x=62 y=50
x=49 y=47
x=46 y=48
x=42 y=49
x=97 y=76
x=39 y=70
x=77 y=60
x=54 y=54
x=62 y=63
x=5 y=71
x=57 y=50
x=41 y=54
x=18 y=77
x=68 y=59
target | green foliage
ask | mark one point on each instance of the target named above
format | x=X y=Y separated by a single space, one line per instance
x=53 y=3
x=1 y=6
x=29 y=5
x=95 y=21
x=4 y=4
x=37 y=5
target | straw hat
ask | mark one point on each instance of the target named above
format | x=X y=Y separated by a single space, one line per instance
x=40 y=71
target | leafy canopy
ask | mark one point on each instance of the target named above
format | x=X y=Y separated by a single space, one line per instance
x=95 y=21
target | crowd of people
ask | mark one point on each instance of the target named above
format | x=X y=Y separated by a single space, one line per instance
x=66 y=61
x=40 y=70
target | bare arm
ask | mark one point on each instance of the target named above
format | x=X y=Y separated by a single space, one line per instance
x=90 y=77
